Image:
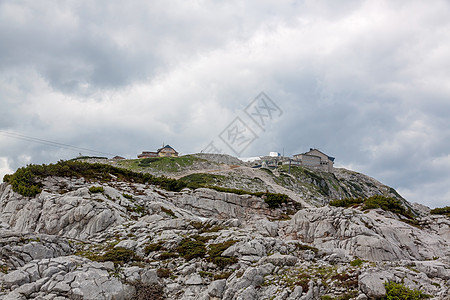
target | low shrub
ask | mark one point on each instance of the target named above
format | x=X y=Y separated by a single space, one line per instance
x=397 y=291
x=163 y=273
x=191 y=249
x=389 y=204
x=127 y=196
x=148 y=291
x=153 y=247
x=275 y=200
x=378 y=201
x=441 y=211
x=223 y=275
x=215 y=251
x=346 y=202
x=306 y=247
x=96 y=189
x=23 y=182
x=118 y=255
x=167 y=255
x=356 y=262
x=168 y=211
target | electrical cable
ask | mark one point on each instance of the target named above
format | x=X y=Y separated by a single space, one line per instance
x=50 y=143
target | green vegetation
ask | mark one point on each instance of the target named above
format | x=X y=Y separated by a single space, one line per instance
x=389 y=204
x=201 y=180
x=356 y=262
x=441 y=211
x=275 y=200
x=167 y=255
x=96 y=189
x=223 y=275
x=198 y=180
x=168 y=211
x=118 y=255
x=191 y=249
x=153 y=247
x=346 y=202
x=4 y=269
x=25 y=181
x=397 y=291
x=163 y=273
x=306 y=247
x=304 y=175
x=148 y=291
x=166 y=164
x=386 y=203
x=205 y=227
x=127 y=196
x=215 y=251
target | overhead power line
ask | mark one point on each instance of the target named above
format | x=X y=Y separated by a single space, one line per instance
x=50 y=143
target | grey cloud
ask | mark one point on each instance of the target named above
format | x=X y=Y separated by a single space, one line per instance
x=363 y=81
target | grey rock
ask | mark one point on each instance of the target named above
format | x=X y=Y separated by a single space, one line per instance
x=278 y=259
x=371 y=283
x=248 y=293
x=371 y=235
x=309 y=255
x=128 y=244
x=17 y=277
x=250 y=248
x=296 y=294
x=149 y=277
x=216 y=288
x=194 y=279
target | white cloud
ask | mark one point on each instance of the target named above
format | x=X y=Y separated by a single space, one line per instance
x=4 y=167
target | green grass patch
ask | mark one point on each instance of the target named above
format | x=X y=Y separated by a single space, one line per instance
x=168 y=164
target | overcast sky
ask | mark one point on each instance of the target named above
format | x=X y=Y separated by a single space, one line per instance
x=367 y=82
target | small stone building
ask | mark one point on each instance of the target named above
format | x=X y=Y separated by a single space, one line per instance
x=315 y=159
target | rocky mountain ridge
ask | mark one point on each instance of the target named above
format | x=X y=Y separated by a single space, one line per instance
x=91 y=238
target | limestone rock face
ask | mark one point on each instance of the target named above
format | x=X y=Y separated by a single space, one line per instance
x=70 y=276
x=367 y=235
x=74 y=214
x=70 y=243
x=17 y=249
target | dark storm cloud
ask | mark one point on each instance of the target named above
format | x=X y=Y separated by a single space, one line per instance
x=364 y=81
